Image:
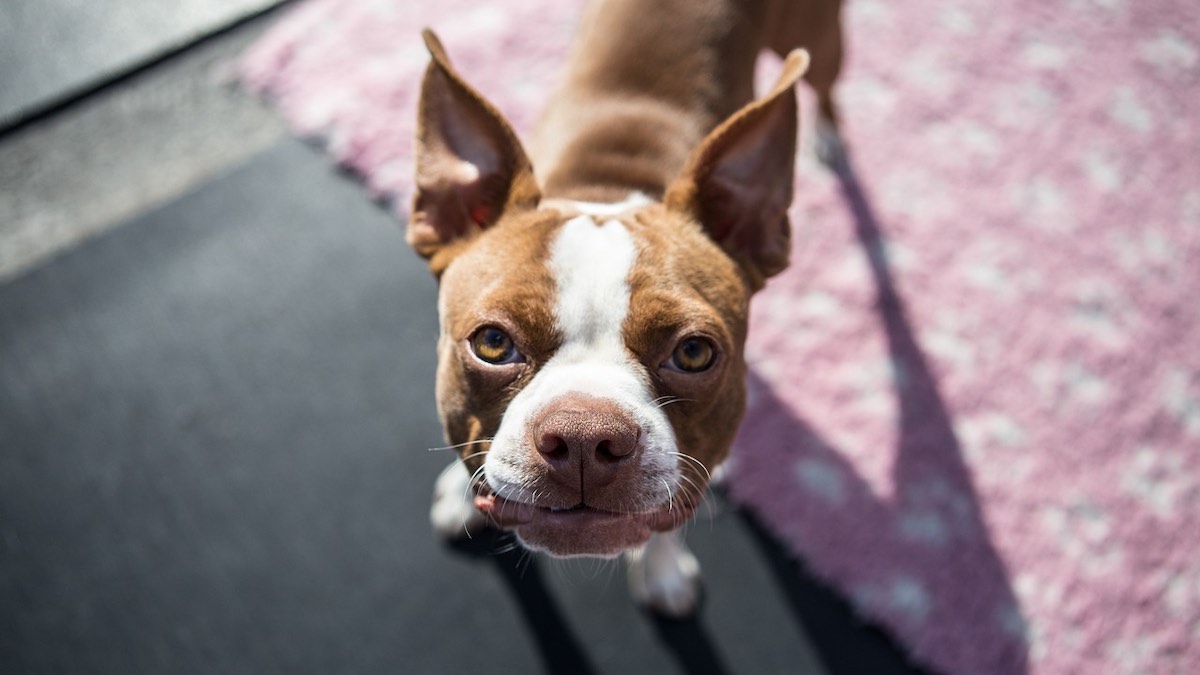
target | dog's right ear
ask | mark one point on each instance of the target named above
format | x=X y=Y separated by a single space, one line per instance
x=470 y=167
x=738 y=182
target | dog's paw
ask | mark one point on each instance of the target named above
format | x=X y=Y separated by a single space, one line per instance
x=664 y=576
x=453 y=514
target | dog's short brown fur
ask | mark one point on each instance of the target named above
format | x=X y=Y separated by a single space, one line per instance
x=594 y=309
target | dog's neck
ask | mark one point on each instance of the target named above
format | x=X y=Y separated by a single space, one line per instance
x=644 y=85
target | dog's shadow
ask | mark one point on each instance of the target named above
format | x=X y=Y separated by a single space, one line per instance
x=559 y=648
x=928 y=450
x=931 y=480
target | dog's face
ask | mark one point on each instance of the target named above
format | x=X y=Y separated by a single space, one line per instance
x=590 y=357
x=602 y=357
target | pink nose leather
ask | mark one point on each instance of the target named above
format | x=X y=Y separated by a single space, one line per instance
x=584 y=440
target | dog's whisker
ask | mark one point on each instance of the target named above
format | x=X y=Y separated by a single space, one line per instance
x=509 y=547
x=664 y=401
x=524 y=559
x=670 y=495
x=460 y=445
x=475 y=479
x=700 y=494
x=473 y=455
x=689 y=486
x=695 y=462
x=689 y=489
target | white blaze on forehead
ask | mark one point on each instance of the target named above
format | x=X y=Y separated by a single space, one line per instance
x=591 y=265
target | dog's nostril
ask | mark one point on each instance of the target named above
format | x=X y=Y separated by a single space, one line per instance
x=612 y=450
x=554 y=447
x=604 y=452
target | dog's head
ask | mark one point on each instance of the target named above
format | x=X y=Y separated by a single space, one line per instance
x=590 y=358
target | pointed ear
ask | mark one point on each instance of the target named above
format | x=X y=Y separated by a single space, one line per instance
x=470 y=167
x=738 y=182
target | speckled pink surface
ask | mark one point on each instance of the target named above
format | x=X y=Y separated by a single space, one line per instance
x=976 y=392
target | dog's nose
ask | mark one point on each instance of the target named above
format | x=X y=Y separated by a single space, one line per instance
x=584 y=440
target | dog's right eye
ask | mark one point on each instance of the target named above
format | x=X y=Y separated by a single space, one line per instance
x=693 y=355
x=494 y=346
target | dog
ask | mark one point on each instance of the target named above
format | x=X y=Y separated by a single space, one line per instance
x=593 y=312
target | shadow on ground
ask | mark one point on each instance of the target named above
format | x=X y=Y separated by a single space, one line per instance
x=951 y=575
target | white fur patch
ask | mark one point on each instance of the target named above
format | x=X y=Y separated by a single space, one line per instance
x=665 y=576
x=635 y=200
x=591 y=263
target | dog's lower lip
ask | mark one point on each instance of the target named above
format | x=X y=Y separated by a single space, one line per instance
x=508 y=514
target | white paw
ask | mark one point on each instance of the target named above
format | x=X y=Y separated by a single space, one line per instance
x=453 y=513
x=719 y=474
x=664 y=576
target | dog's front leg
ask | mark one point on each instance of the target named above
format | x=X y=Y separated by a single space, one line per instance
x=664 y=576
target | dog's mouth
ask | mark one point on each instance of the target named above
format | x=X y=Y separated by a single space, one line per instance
x=581 y=530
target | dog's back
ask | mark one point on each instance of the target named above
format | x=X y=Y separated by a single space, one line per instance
x=647 y=80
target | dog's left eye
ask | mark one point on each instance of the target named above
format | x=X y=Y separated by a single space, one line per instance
x=494 y=346
x=693 y=355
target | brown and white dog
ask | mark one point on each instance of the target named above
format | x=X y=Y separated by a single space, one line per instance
x=593 y=314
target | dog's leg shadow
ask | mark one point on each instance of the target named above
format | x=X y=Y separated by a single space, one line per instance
x=561 y=651
x=689 y=643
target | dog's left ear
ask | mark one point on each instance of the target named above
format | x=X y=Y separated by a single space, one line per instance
x=738 y=182
x=470 y=166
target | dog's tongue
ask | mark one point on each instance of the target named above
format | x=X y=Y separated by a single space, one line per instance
x=504 y=513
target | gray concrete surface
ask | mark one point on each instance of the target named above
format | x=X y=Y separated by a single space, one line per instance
x=52 y=49
x=126 y=149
